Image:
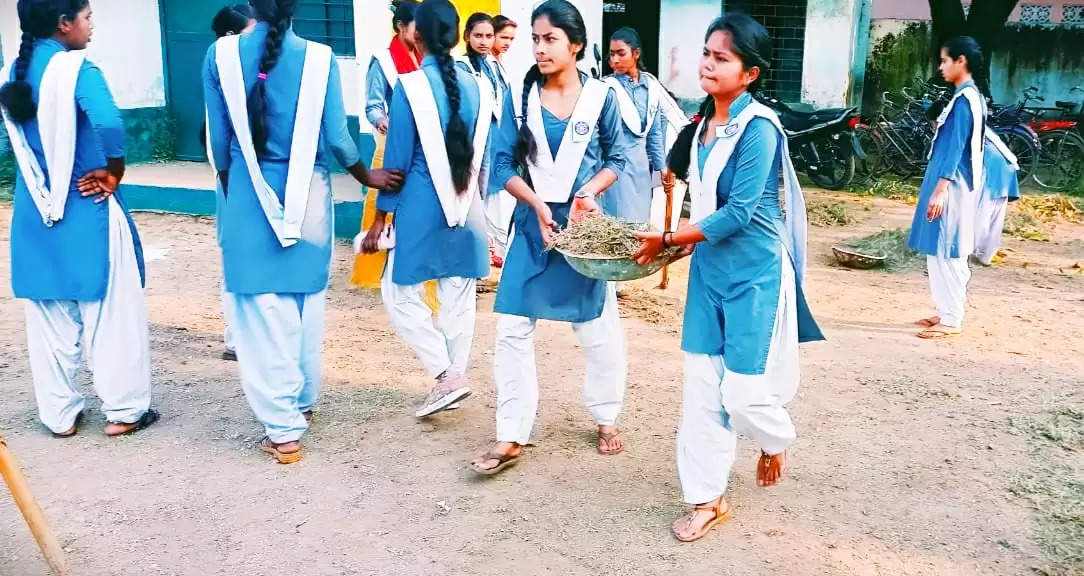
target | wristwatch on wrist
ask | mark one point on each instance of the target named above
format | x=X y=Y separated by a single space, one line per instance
x=583 y=193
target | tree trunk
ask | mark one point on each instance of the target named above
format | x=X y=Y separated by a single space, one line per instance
x=985 y=24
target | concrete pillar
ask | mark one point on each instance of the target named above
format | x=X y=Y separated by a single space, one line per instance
x=836 y=42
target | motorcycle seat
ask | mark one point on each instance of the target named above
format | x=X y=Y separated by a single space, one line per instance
x=797 y=121
x=1067 y=106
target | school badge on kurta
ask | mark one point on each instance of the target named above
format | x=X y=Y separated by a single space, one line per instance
x=728 y=131
x=580 y=131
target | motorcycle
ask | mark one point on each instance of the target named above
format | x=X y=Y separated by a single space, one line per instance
x=823 y=143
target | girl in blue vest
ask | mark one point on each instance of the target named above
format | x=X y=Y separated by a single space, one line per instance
x=745 y=313
x=276 y=116
x=569 y=149
x=638 y=94
x=75 y=253
x=439 y=219
x=481 y=61
x=944 y=224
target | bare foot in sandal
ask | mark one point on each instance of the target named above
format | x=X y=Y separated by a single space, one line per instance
x=701 y=519
x=939 y=331
x=610 y=441
x=928 y=322
x=500 y=456
x=770 y=468
x=285 y=453
x=121 y=428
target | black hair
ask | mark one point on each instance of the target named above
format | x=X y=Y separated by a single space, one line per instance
x=438 y=25
x=404 y=13
x=277 y=14
x=500 y=22
x=631 y=37
x=37 y=19
x=477 y=60
x=969 y=48
x=564 y=15
x=749 y=40
x=232 y=19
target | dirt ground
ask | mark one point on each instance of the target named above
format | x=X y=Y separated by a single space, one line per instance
x=904 y=464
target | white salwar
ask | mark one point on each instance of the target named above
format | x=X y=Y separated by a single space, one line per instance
x=988 y=226
x=279 y=343
x=948 y=284
x=499 y=208
x=516 y=374
x=113 y=332
x=719 y=404
x=443 y=343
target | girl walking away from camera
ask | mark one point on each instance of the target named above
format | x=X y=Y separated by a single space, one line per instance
x=274 y=104
x=745 y=313
x=638 y=95
x=1000 y=187
x=944 y=224
x=439 y=219
x=570 y=149
x=230 y=20
x=75 y=253
x=480 y=61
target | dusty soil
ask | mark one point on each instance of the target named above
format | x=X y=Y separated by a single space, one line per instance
x=903 y=464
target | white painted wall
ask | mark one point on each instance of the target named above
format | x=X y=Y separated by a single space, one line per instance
x=829 y=45
x=127 y=45
x=681 y=43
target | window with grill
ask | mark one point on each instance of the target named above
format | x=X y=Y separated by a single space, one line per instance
x=1036 y=14
x=1072 y=15
x=328 y=22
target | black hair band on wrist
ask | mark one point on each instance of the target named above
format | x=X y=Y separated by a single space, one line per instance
x=666 y=236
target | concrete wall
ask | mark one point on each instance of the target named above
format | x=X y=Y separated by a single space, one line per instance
x=920 y=9
x=127 y=45
x=829 y=49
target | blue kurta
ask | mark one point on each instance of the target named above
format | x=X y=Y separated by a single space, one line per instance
x=735 y=274
x=69 y=260
x=497 y=83
x=377 y=93
x=950 y=160
x=254 y=260
x=540 y=284
x=426 y=248
x=1001 y=179
x=630 y=197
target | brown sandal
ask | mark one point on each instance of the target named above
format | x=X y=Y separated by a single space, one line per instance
x=503 y=461
x=282 y=457
x=607 y=437
x=720 y=516
x=765 y=463
x=939 y=332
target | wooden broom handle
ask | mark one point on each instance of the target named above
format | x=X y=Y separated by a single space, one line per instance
x=668 y=189
x=24 y=499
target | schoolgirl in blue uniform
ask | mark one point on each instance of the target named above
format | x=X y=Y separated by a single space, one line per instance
x=1001 y=186
x=638 y=96
x=944 y=224
x=75 y=253
x=439 y=218
x=275 y=116
x=569 y=149
x=745 y=312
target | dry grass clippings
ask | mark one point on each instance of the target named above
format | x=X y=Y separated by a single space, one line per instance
x=826 y=214
x=600 y=236
x=892 y=244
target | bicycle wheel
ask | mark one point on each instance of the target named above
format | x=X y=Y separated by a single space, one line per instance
x=1023 y=146
x=1061 y=160
x=873 y=166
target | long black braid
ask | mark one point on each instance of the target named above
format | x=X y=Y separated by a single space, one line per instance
x=277 y=14
x=438 y=24
x=37 y=19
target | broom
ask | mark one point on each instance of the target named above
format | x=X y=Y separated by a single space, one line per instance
x=35 y=519
x=668 y=189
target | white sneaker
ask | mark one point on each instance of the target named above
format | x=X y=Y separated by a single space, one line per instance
x=447 y=392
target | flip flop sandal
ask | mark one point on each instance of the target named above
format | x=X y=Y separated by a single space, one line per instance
x=149 y=417
x=503 y=461
x=71 y=431
x=607 y=437
x=281 y=457
x=720 y=517
x=937 y=334
x=308 y=416
x=441 y=404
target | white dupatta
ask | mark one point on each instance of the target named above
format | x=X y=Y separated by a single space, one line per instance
x=56 y=125
x=285 y=220
x=978 y=115
x=703 y=188
x=387 y=66
x=627 y=106
x=419 y=93
x=553 y=178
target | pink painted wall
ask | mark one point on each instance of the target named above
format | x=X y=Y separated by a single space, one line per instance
x=920 y=9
